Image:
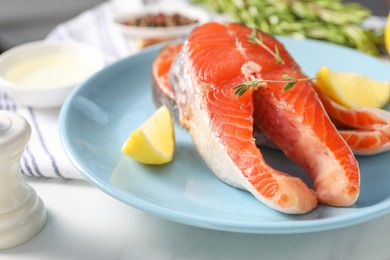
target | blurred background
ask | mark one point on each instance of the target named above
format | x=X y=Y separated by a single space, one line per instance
x=378 y=7
x=28 y=20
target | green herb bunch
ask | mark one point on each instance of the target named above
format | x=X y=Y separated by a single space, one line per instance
x=328 y=20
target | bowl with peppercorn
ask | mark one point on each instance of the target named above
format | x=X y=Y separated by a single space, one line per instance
x=160 y=22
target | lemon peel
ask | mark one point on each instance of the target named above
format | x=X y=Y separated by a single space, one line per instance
x=153 y=142
x=352 y=89
x=387 y=34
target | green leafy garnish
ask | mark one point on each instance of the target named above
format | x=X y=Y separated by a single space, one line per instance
x=287 y=79
x=278 y=58
x=257 y=38
x=290 y=82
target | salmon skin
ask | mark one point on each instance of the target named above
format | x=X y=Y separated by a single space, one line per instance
x=215 y=58
x=162 y=89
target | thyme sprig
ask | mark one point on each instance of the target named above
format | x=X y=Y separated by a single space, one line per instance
x=257 y=38
x=287 y=79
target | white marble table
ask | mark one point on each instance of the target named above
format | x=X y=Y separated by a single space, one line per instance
x=85 y=223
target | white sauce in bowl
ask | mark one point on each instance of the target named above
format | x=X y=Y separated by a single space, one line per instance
x=42 y=74
x=50 y=70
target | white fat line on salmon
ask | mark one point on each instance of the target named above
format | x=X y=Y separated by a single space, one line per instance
x=239 y=47
x=238 y=43
x=251 y=70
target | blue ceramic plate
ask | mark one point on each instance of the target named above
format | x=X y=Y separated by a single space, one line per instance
x=97 y=118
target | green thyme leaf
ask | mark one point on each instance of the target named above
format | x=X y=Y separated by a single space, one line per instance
x=288 y=77
x=288 y=86
x=278 y=58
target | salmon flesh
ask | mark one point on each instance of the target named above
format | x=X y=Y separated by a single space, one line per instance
x=365 y=129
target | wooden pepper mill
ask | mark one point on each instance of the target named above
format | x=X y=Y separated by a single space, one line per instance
x=22 y=212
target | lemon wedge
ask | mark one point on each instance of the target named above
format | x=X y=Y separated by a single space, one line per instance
x=387 y=34
x=352 y=89
x=154 y=141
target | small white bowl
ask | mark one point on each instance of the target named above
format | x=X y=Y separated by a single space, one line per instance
x=41 y=74
x=144 y=32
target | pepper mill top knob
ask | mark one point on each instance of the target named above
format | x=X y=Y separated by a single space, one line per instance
x=15 y=132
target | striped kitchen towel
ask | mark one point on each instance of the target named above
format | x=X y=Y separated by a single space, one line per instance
x=44 y=155
x=96 y=27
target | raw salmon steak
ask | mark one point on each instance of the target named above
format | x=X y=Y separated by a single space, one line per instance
x=215 y=58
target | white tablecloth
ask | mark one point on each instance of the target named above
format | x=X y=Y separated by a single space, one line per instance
x=86 y=224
